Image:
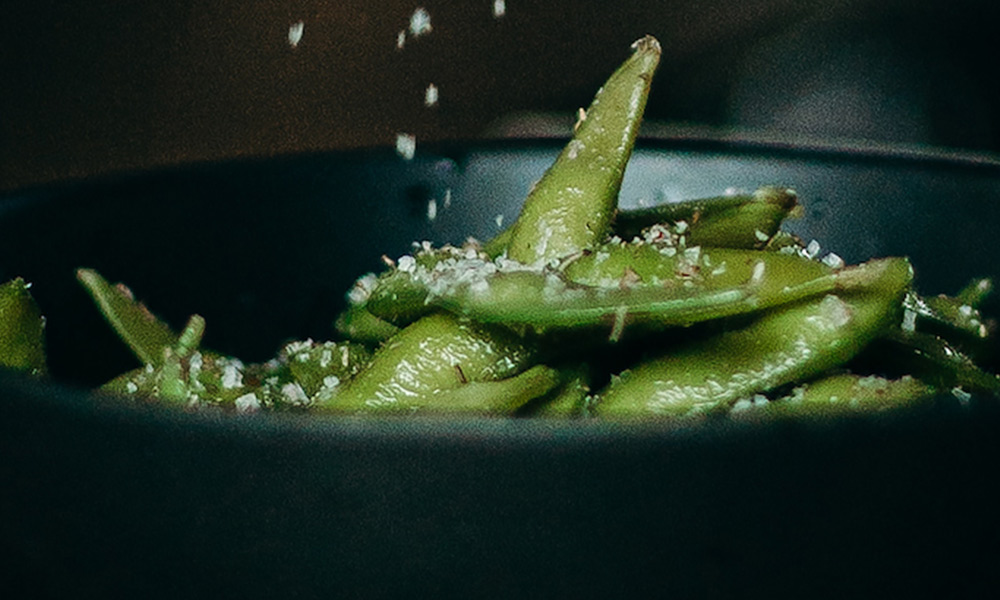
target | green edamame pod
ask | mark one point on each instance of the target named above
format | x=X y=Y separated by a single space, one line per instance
x=358 y=324
x=22 y=329
x=498 y=244
x=571 y=207
x=947 y=315
x=934 y=360
x=784 y=345
x=568 y=400
x=203 y=379
x=495 y=398
x=743 y=281
x=975 y=292
x=316 y=366
x=144 y=334
x=736 y=221
x=438 y=352
x=842 y=394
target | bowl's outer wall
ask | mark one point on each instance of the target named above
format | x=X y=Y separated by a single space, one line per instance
x=103 y=499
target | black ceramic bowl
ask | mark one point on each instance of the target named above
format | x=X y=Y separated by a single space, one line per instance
x=105 y=498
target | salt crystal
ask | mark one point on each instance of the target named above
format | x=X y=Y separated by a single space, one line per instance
x=406 y=263
x=833 y=261
x=231 y=377
x=962 y=395
x=295 y=33
x=420 y=22
x=247 y=403
x=406 y=145
x=294 y=394
x=499 y=8
x=812 y=249
x=431 y=95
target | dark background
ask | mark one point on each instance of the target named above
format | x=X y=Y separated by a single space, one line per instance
x=95 y=87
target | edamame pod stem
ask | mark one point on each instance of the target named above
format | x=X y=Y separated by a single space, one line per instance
x=782 y=346
x=22 y=329
x=736 y=221
x=142 y=332
x=571 y=207
x=438 y=352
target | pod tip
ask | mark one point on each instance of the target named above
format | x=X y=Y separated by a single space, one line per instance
x=647 y=43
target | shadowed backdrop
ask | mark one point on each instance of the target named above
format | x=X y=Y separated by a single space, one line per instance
x=91 y=88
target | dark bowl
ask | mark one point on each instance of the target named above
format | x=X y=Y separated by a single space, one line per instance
x=103 y=498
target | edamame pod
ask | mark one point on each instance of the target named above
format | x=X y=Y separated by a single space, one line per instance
x=934 y=360
x=841 y=394
x=735 y=221
x=495 y=398
x=787 y=344
x=439 y=352
x=743 y=281
x=358 y=324
x=22 y=329
x=141 y=331
x=571 y=207
x=323 y=365
x=568 y=400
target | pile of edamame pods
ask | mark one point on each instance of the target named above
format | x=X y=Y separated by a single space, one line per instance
x=690 y=310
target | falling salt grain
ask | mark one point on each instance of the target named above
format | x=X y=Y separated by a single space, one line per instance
x=499 y=8
x=447 y=198
x=295 y=33
x=401 y=39
x=432 y=209
x=431 y=95
x=499 y=220
x=406 y=145
x=420 y=22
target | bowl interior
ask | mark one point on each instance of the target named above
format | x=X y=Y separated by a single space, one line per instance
x=265 y=249
x=127 y=499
